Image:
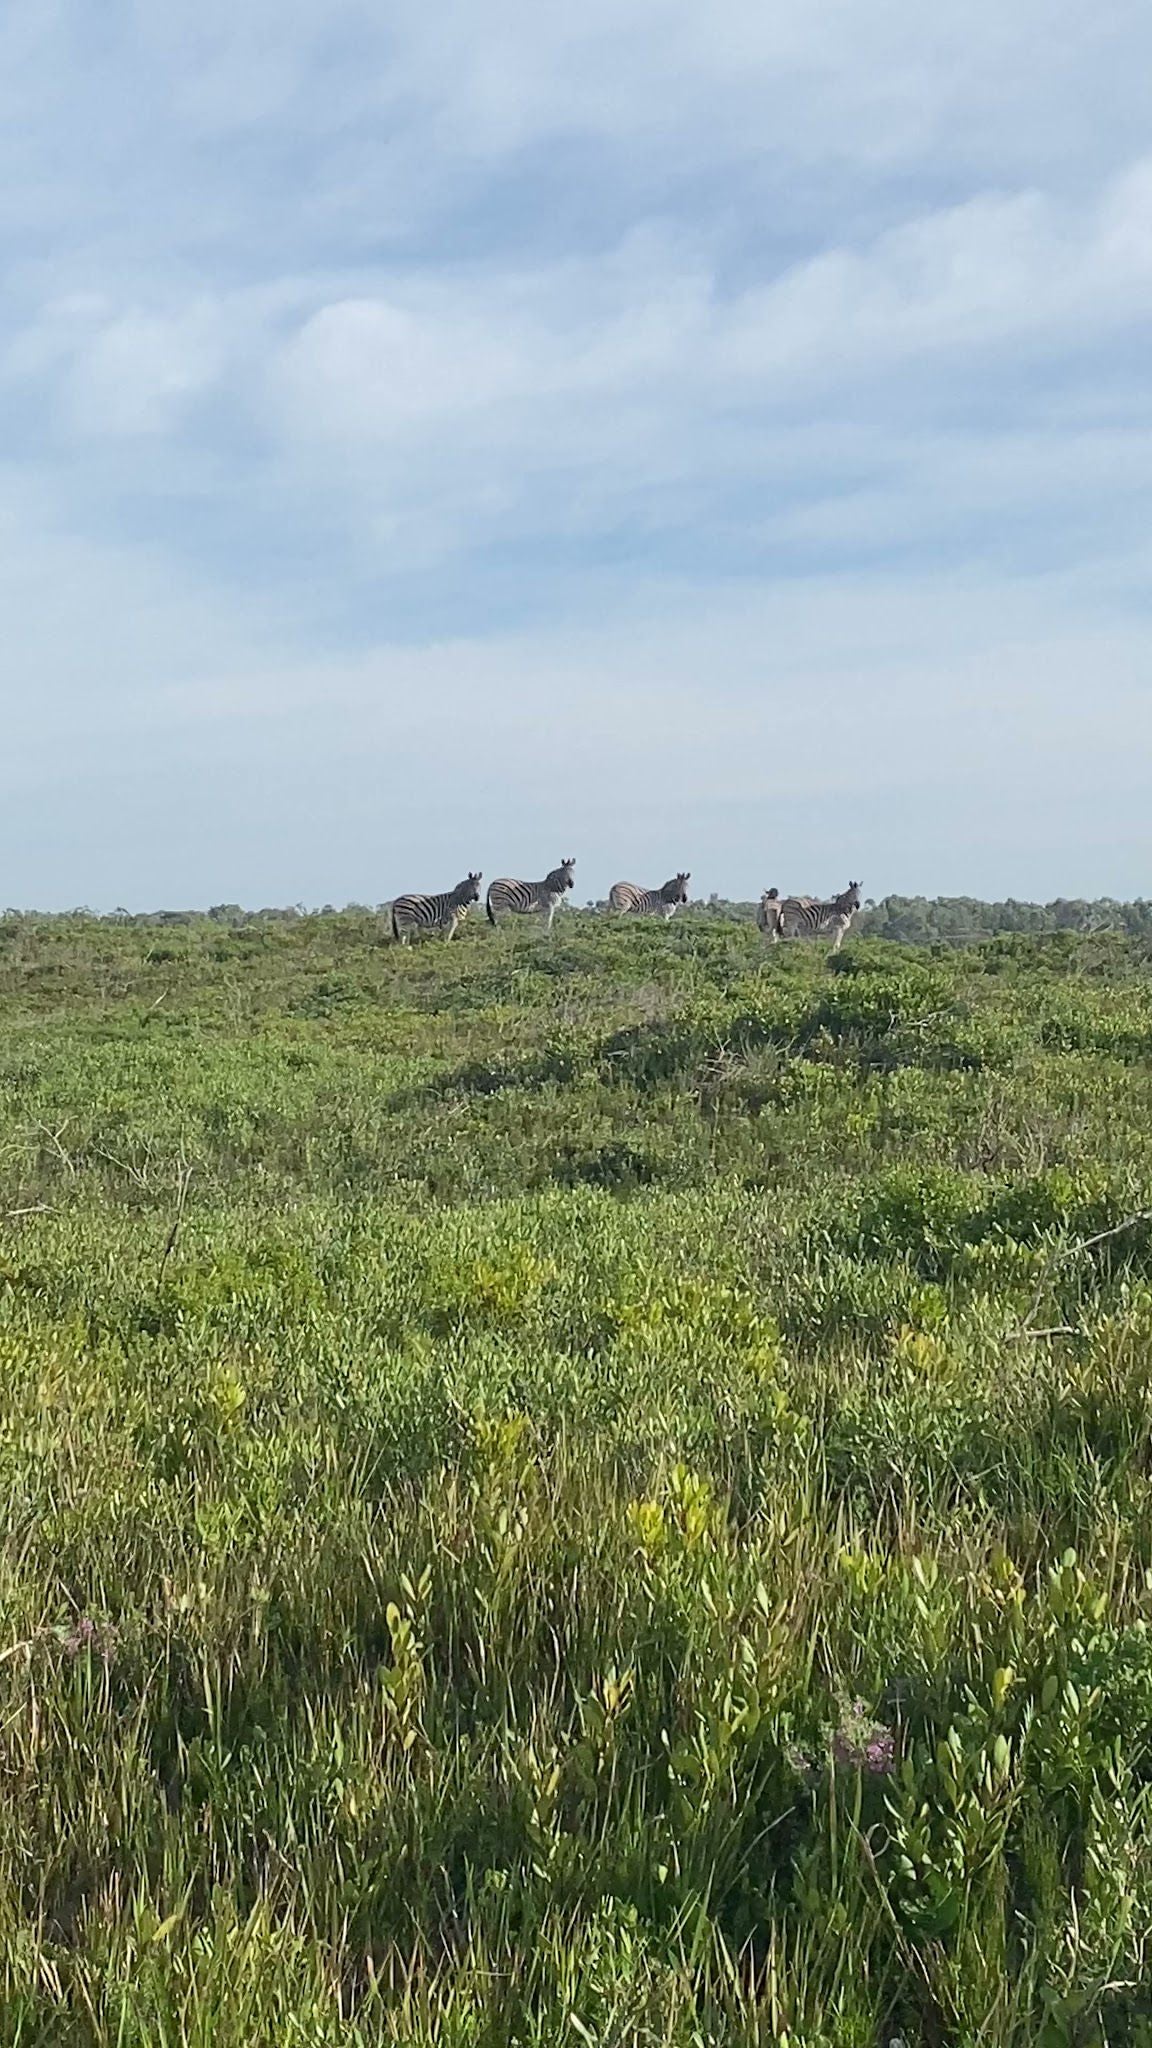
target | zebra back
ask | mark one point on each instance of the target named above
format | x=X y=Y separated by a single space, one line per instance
x=416 y=913
x=806 y=916
x=629 y=897
x=521 y=898
x=802 y=917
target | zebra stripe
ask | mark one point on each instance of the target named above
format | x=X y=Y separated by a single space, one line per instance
x=803 y=917
x=636 y=902
x=434 y=913
x=520 y=899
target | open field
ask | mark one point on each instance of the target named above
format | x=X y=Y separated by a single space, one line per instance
x=591 y=1491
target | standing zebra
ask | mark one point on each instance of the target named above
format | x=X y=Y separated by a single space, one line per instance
x=649 y=902
x=434 y=913
x=521 y=898
x=802 y=917
x=768 y=914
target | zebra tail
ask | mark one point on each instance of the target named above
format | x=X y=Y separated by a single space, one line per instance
x=395 y=931
x=488 y=907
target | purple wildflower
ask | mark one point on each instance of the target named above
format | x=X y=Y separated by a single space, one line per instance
x=862 y=1744
x=880 y=1753
x=87 y=1635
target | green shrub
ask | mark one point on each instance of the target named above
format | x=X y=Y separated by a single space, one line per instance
x=538 y=1482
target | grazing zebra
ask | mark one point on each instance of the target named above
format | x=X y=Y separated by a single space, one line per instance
x=802 y=917
x=649 y=902
x=434 y=913
x=521 y=898
x=768 y=914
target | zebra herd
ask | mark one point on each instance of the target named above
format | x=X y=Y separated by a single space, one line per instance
x=779 y=917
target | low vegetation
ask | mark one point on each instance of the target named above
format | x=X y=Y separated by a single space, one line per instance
x=591 y=1490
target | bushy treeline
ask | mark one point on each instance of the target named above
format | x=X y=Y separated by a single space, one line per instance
x=963 y=920
x=912 y=920
x=960 y=919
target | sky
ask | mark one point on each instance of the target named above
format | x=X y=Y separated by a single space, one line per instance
x=464 y=435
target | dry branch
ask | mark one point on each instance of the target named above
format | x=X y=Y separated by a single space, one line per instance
x=1059 y=1257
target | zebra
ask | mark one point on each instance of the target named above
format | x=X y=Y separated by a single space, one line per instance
x=768 y=914
x=434 y=913
x=802 y=917
x=649 y=902
x=521 y=898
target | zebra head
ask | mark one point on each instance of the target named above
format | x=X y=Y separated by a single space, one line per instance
x=850 y=900
x=468 y=891
x=562 y=877
x=676 y=891
x=770 y=896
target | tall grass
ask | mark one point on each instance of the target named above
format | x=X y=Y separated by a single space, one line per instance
x=588 y=1492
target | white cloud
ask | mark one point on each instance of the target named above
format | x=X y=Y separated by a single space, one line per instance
x=475 y=404
x=997 y=272
x=374 y=367
x=140 y=371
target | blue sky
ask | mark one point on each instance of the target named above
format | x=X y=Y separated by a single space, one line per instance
x=448 y=436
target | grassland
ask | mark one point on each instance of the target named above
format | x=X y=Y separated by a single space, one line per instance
x=579 y=1492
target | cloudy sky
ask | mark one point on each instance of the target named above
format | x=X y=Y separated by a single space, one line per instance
x=469 y=433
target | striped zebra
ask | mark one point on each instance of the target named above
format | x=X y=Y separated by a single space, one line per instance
x=520 y=899
x=649 y=902
x=434 y=913
x=802 y=917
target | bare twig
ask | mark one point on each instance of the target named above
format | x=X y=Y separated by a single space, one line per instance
x=53 y=1138
x=20 y=1649
x=1057 y=1258
x=122 y=1165
x=1057 y=1330
x=919 y=1023
x=33 y=1209
x=170 y=1242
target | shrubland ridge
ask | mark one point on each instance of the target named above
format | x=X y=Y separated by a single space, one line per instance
x=913 y=920
x=591 y=1489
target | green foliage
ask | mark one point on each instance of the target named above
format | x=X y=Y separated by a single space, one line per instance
x=591 y=1490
